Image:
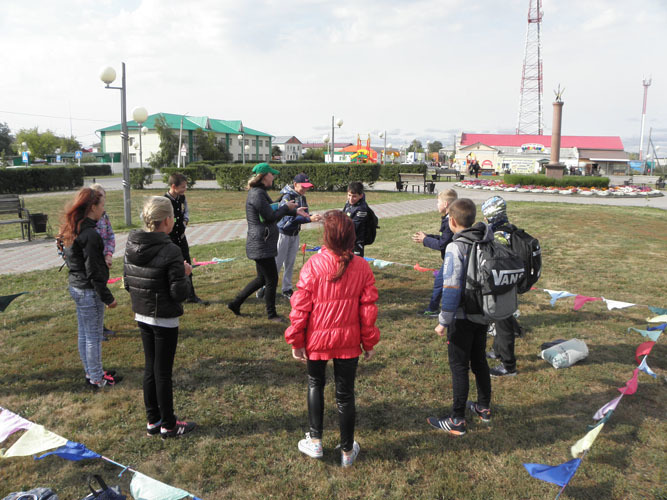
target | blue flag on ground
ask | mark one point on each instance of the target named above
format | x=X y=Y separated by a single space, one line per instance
x=658 y=310
x=659 y=327
x=556 y=474
x=72 y=451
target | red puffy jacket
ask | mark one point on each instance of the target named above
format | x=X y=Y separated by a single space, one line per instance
x=334 y=319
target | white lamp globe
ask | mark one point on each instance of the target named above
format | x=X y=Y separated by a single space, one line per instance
x=108 y=75
x=139 y=114
x=339 y=123
x=144 y=130
x=326 y=139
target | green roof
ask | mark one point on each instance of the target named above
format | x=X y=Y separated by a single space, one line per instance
x=192 y=123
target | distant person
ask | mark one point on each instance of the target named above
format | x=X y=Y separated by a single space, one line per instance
x=438 y=242
x=262 y=240
x=466 y=341
x=357 y=210
x=105 y=230
x=156 y=275
x=476 y=168
x=178 y=185
x=88 y=276
x=333 y=317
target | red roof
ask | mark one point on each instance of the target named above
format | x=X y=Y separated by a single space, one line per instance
x=566 y=141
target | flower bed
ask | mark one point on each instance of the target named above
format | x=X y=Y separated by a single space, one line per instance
x=498 y=185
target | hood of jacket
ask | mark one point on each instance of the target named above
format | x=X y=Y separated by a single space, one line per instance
x=288 y=189
x=143 y=246
x=478 y=232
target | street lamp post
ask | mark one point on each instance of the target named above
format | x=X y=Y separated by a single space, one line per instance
x=140 y=115
x=333 y=142
x=246 y=150
x=241 y=139
x=325 y=140
x=108 y=75
x=383 y=135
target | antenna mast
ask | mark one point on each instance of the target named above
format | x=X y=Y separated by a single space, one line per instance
x=530 y=119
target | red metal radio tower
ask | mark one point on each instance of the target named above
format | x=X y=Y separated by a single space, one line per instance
x=530 y=105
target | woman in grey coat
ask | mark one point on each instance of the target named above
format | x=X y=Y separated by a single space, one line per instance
x=262 y=239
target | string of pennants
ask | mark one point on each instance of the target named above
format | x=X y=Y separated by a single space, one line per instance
x=37 y=440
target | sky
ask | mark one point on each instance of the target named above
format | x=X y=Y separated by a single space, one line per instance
x=419 y=69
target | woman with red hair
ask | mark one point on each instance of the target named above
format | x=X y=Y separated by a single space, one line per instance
x=333 y=317
x=88 y=276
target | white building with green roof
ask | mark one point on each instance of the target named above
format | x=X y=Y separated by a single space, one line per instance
x=258 y=143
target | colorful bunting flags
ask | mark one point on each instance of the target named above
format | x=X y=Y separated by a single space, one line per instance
x=644 y=349
x=556 y=474
x=631 y=385
x=146 y=488
x=381 y=263
x=72 y=451
x=604 y=419
x=645 y=368
x=423 y=269
x=659 y=327
x=222 y=261
x=617 y=304
x=657 y=319
x=10 y=423
x=5 y=300
x=35 y=440
x=111 y=281
x=556 y=294
x=658 y=310
x=585 y=442
x=652 y=334
x=611 y=406
x=580 y=300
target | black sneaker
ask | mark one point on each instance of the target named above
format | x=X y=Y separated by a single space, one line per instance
x=260 y=293
x=427 y=313
x=501 y=371
x=153 y=429
x=108 y=332
x=178 y=430
x=196 y=300
x=288 y=294
x=483 y=413
x=234 y=308
x=452 y=425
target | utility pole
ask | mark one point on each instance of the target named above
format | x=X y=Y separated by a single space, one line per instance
x=647 y=84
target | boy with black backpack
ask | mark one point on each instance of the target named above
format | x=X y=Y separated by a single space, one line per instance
x=365 y=220
x=527 y=249
x=466 y=340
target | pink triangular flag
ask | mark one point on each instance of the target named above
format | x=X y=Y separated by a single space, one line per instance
x=630 y=385
x=608 y=407
x=643 y=350
x=580 y=300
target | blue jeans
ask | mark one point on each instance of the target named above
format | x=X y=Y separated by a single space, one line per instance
x=436 y=296
x=90 y=316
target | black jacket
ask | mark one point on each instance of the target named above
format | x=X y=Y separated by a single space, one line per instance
x=359 y=215
x=262 y=240
x=85 y=259
x=181 y=217
x=154 y=275
x=440 y=242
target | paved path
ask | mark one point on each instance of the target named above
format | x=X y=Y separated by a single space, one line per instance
x=19 y=256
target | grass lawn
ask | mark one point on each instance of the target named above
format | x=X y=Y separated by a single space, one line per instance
x=236 y=378
x=212 y=205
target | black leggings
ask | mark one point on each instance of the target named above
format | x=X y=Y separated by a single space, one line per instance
x=267 y=276
x=345 y=371
x=159 y=351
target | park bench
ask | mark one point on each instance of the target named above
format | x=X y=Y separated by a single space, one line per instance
x=418 y=181
x=12 y=205
x=645 y=180
x=447 y=173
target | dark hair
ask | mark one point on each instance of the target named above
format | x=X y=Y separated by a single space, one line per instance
x=257 y=180
x=339 y=238
x=75 y=212
x=177 y=179
x=463 y=211
x=355 y=188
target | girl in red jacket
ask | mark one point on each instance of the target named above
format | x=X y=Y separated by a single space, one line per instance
x=333 y=317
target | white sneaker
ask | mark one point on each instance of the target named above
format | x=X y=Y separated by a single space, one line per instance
x=310 y=448
x=347 y=460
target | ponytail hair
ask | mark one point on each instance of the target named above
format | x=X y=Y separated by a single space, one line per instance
x=339 y=238
x=75 y=212
x=156 y=209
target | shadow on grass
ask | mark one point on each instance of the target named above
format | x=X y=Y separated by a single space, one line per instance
x=600 y=490
x=39 y=382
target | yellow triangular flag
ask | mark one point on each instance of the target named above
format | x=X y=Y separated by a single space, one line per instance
x=585 y=442
x=658 y=319
x=35 y=440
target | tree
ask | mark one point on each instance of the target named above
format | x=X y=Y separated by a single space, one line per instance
x=69 y=145
x=210 y=148
x=276 y=152
x=6 y=139
x=39 y=144
x=314 y=154
x=435 y=147
x=168 y=145
x=415 y=146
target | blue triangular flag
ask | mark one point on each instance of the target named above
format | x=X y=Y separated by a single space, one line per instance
x=71 y=451
x=556 y=474
x=645 y=368
x=658 y=310
x=659 y=327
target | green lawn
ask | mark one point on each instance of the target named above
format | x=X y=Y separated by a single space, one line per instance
x=236 y=378
x=212 y=205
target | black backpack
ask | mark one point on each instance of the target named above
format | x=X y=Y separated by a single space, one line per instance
x=371 y=227
x=528 y=248
x=490 y=290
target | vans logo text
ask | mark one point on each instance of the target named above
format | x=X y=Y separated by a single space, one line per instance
x=507 y=277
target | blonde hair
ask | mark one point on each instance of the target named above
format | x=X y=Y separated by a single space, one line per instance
x=255 y=180
x=449 y=195
x=99 y=188
x=156 y=209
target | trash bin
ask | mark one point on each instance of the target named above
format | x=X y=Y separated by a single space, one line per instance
x=461 y=177
x=38 y=222
x=626 y=183
x=430 y=186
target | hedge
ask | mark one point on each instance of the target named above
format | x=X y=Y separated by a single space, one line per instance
x=191 y=174
x=567 y=180
x=390 y=171
x=96 y=170
x=139 y=177
x=23 y=180
x=323 y=176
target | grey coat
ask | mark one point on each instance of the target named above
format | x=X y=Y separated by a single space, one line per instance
x=262 y=240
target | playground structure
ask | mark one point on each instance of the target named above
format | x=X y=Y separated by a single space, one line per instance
x=362 y=154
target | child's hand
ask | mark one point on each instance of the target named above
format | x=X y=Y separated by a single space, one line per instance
x=301 y=211
x=108 y=259
x=300 y=354
x=419 y=236
x=187 y=267
x=369 y=354
x=440 y=330
x=315 y=218
x=113 y=304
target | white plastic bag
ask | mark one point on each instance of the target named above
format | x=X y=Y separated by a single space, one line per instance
x=565 y=354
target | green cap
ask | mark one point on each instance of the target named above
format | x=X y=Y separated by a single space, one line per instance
x=264 y=168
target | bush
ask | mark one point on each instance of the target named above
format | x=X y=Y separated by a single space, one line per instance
x=323 y=176
x=390 y=171
x=204 y=169
x=139 y=177
x=567 y=180
x=96 y=170
x=23 y=180
x=189 y=172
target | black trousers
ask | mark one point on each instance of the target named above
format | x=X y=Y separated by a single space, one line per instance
x=466 y=343
x=267 y=276
x=159 y=351
x=185 y=250
x=345 y=372
x=503 y=343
